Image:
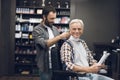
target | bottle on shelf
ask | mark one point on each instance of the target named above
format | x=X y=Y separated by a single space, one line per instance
x=49 y=3
x=25 y=2
x=116 y=41
x=58 y=4
x=66 y=5
x=43 y=3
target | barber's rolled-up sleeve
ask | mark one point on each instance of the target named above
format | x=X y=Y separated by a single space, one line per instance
x=39 y=37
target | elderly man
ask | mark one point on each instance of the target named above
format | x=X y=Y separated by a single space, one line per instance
x=76 y=56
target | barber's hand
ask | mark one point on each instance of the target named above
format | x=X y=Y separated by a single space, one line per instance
x=95 y=68
x=65 y=35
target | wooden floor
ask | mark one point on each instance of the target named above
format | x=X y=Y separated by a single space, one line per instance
x=18 y=78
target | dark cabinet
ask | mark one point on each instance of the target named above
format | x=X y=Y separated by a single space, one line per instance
x=116 y=65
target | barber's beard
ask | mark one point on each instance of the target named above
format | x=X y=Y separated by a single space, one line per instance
x=47 y=23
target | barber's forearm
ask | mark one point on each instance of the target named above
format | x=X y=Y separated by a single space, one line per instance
x=64 y=35
x=52 y=41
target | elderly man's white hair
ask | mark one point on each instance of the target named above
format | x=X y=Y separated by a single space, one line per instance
x=76 y=21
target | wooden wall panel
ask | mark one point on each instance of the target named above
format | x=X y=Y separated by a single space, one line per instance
x=6 y=36
x=0 y=38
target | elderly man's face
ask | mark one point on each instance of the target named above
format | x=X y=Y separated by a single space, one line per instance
x=76 y=30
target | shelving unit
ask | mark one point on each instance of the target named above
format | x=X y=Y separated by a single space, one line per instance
x=28 y=15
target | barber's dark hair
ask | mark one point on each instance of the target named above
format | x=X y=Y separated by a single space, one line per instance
x=48 y=9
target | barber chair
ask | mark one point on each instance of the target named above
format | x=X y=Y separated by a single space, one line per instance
x=57 y=72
